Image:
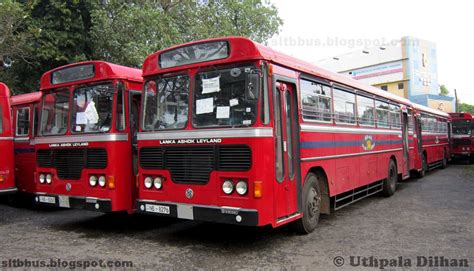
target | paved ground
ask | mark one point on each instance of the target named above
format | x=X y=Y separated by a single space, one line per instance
x=433 y=216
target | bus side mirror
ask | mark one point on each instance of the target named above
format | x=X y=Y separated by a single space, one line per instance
x=251 y=91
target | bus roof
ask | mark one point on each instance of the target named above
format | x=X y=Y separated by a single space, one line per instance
x=26 y=98
x=244 y=49
x=461 y=115
x=4 y=90
x=101 y=70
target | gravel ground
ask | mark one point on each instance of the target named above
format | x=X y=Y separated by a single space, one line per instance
x=433 y=216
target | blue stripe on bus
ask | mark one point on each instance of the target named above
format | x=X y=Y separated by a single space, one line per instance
x=335 y=144
x=29 y=150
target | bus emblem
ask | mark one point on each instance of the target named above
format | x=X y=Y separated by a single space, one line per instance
x=189 y=193
x=68 y=187
x=368 y=143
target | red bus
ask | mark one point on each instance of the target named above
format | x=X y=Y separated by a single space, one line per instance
x=7 y=174
x=235 y=132
x=462 y=135
x=85 y=145
x=435 y=133
x=25 y=109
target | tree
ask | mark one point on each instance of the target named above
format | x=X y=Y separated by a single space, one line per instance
x=123 y=32
x=463 y=107
x=126 y=32
x=443 y=90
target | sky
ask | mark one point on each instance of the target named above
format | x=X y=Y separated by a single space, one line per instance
x=315 y=30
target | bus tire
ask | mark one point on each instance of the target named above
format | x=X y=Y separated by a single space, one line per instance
x=424 y=167
x=311 y=205
x=444 y=162
x=390 y=183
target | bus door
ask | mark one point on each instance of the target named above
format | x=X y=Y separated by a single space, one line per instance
x=134 y=111
x=406 y=145
x=288 y=185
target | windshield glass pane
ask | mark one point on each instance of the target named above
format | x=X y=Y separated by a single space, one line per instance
x=92 y=109
x=226 y=97
x=166 y=103
x=54 y=114
x=461 y=127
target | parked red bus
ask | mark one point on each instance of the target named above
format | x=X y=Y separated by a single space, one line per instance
x=25 y=109
x=434 y=148
x=235 y=132
x=7 y=174
x=85 y=144
x=462 y=135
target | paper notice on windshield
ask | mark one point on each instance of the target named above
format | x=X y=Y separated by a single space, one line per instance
x=211 y=85
x=234 y=102
x=223 y=112
x=204 y=106
x=81 y=118
x=91 y=113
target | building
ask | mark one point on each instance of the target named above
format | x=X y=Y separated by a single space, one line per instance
x=407 y=68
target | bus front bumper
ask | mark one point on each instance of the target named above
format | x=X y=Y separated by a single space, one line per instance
x=8 y=191
x=85 y=203
x=219 y=214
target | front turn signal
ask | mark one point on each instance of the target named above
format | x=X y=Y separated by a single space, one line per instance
x=257 y=189
x=111 y=182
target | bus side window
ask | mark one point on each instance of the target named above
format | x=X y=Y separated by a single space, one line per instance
x=23 y=121
x=120 y=116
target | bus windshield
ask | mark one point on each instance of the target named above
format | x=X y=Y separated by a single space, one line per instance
x=461 y=127
x=166 y=103
x=54 y=113
x=226 y=97
x=92 y=109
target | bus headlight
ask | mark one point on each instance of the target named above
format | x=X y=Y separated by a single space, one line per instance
x=42 y=178
x=158 y=183
x=93 y=180
x=241 y=188
x=102 y=181
x=49 y=178
x=227 y=187
x=148 y=182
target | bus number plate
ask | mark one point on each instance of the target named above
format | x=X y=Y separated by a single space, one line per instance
x=159 y=209
x=46 y=199
x=64 y=202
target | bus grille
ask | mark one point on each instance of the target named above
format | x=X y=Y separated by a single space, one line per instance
x=457 y=142
x=194 y=164
x=70 y=162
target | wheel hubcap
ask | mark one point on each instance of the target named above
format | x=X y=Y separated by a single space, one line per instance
x=314 y=201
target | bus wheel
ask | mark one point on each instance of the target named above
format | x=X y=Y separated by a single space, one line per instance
x=311 y=205
x=390 y=183
x=444 y=163
x=424 y=167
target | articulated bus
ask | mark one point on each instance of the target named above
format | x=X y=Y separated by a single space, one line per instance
x=235 y=132
x=462 y=143
x=25 y=109
x=7 y=173
x=85 y=144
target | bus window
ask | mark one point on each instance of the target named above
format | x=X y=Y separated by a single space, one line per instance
x=365 y=110
x=344 y=106
x=120 y=116
x=316 y=100
x=23 y=121
x=395 y=116
x=382 y=114
x=55 y=113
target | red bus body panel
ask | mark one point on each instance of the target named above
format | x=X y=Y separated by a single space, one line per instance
x=7 y=173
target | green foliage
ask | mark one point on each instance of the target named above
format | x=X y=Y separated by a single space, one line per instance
x=443 y=90
x=51 y=33
x=463 y=107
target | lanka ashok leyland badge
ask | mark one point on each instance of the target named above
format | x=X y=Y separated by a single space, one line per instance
x=368 y=143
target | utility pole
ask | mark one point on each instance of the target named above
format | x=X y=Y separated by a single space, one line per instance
x=456 y=100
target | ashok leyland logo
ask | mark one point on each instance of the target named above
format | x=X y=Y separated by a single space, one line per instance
x=189 y=193
x=368 y=143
